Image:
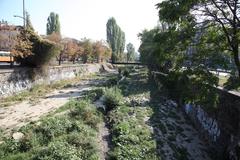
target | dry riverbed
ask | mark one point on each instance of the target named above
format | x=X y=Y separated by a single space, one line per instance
x=140 y=124
x=15 y=116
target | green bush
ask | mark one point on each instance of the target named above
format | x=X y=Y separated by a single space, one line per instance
x=94 y=94
x=112 y=98
x=58 y=150
x=112 y=81
x=18 y=156
x=43 y=51
x=85 y=142
x=68 y=136
x=124 y=71
x=53 y=127
x=191 y=86
x=87 y=112
x=132 y=138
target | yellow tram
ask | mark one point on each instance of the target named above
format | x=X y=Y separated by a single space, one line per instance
x=6 y=57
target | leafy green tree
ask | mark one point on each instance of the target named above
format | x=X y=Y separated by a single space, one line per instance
x=164 y=47
x=53 y=24
x=88 y=51
x=115 y=38
x=221 y=14
x=121 y=42
x=130 y=52
x=28 y=22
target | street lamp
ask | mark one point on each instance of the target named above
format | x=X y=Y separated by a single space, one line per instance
x=23 y=17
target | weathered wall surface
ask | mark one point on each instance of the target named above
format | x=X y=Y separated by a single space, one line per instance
x=23 y=78
x=220 y=127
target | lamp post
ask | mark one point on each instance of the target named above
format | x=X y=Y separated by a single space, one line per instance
x=24 y=20
x=23 y=17
x=24 y=25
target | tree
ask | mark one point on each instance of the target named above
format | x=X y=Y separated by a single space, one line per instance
x=208 y=13
x=163 y=47
x=73 y=50
x=57 y=39
x=101 y=51
x=28 y=22
x=130 y=52
x=24 y=46
x=88 y=51
x=53 y=24
x=98 y=50
x=115 y=38
x=32 y=50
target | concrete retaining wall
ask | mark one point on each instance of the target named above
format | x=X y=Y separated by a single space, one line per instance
x=19 y=79
x=220 y=127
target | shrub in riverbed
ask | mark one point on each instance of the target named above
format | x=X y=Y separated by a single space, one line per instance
x=112 y=81
x=69 y=136
x=132 y=138
x=86 y=112
x=53 y=127
x=87 y=143
x=112 y=98
x=58 y=150
x=94 y=94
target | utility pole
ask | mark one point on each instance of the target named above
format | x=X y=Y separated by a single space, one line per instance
x=24 y=20
x=24 y=15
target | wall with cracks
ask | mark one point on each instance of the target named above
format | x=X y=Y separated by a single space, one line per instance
x=19 y=79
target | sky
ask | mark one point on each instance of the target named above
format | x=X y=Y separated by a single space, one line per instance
x=86 y=18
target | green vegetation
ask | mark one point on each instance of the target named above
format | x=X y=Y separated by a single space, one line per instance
x=29 y=25
x=53 y=24
x=68 y=136
x=188 y=87
x=130 y=52
x=186 y=52
x=32 y=50
x=132 y=138
x=222 y=37
x=131 y=135
x=71 y=131
x=112 y=98
x=116 y=39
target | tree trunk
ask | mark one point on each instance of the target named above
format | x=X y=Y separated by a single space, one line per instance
x=60 y=59
x=236 y=60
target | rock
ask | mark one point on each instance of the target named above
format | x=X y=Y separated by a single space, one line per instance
x=17 y=136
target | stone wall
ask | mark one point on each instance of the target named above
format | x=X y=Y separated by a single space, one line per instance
x=16 y=80
x=219 y=127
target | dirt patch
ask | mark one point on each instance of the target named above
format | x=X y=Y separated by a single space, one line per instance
x=104 y=133
x=104 y=140
x=15 y=116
